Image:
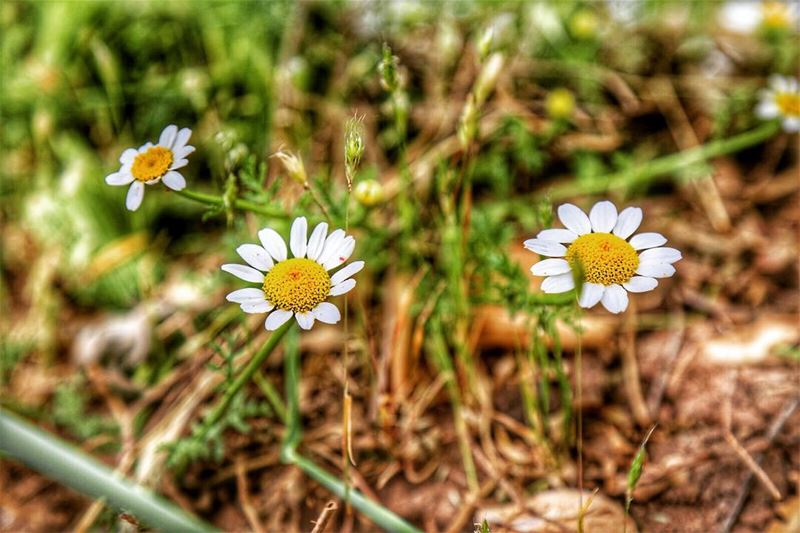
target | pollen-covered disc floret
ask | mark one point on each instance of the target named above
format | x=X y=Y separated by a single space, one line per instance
x=604 y=258
x=602 y=248
x=298 y=286
x=781 y=100
x=152 y=163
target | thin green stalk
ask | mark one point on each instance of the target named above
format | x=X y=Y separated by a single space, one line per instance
x=668 y=164
x=382 y=516
x=272 y=395
x=379 y=514
x=246 y=205
x=291 y=368
x=244 y=377
x=438 y=349
x=61 y=461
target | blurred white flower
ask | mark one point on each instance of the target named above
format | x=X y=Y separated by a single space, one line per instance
x=781 y=100
x=625 y=12
x=745 y=16
x=599 y=246
x=152 y=163
x=298 y=286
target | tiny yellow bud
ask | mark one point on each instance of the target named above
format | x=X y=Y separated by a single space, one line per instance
x=583 y=24
x=293 y=165
x=560 y=103
x=369 y=192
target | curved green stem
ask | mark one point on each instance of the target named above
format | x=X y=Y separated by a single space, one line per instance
x=669 y=163
x=216 y=201
x=244 y=377
x=57 y=459
x=379 y=514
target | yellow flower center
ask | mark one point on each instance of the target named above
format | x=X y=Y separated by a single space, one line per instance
x=297 y=285
x=775 y=15
x=788 y=103
x=152 y=164
x=604 y=258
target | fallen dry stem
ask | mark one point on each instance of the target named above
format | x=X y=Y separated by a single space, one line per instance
x=244 y=497
x=325 y=517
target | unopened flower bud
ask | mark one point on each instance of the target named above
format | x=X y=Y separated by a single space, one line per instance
x=583 y=24
x=560 y=103
x=369 y=192
x=468 y=124
x=353 y=145
x=488 y=77
x=485 y=42
x=293 y=165
x=388 y=70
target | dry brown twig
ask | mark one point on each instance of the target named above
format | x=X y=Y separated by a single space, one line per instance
x=325 y=517
x=249 y=509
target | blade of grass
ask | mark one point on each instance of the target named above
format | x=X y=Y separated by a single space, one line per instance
x=58 y=460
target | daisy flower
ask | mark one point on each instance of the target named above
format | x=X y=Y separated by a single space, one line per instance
x=613 y=262
x=298 y=286
x=746 y=16
x=781 y=99
x=152 y=163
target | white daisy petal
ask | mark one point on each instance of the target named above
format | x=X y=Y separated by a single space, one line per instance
x=615 y=299
x=559 y=283
x=298 y=236
x=640 y=284
x=347 y=272
x=574 y=219
x=306 y=320
x=767 y=108
x=245 y=273
x=557 y=235
x=273 y=243
x=119 y=178
x=342 y=254
x=181 y=139
x=256 y=307
x=327 y=312
x=660 y=255
x=243 y=295
x=547 y=248
x=628 y=222
x=128 y=156
x=255 y=256
x=135 y=195
x=655 y=270
x=791 y=124
x=332 y=244
x=276 y=319
x=647 y=240
x=174 y=181
x=603 y=217
x=168 y=136
x=343 y=287
x=591 y=293
x=181 y=153
x=317 y=241
x=550 y=267
x=178 y=163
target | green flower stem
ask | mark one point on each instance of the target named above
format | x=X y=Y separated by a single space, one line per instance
x=291 y=367
x=382 y=516
x=214 y=200
x=244 y=377
x=61 y=461
x=379 y=514
x=668 y=164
